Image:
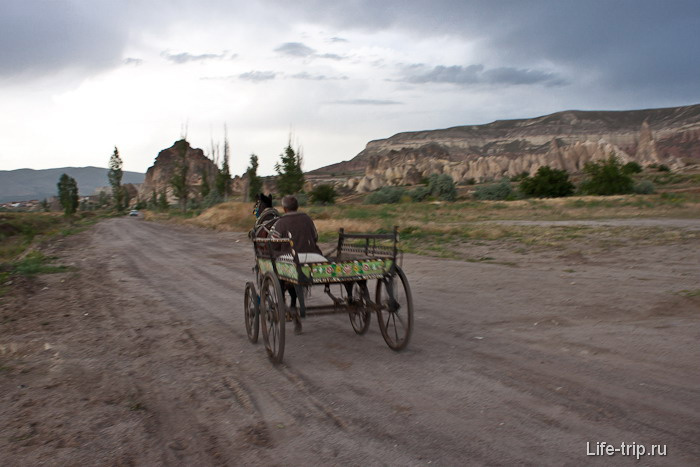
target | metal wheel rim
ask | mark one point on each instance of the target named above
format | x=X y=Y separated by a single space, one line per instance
x=396 y=318
x=252 y=315
x=272 y=313
x=360 y=317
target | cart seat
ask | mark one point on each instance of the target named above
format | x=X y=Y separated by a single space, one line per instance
x=305 y=258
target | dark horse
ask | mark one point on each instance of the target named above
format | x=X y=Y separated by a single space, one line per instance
x=266 y=216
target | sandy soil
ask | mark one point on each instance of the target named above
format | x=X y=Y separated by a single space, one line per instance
x=139 y=357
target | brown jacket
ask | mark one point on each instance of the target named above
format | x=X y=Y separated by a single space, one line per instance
x=302 y=229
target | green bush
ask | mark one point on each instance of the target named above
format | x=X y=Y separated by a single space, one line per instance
x=442 y=187
x=386 y=195
x=645 y=187
x=606 y=178
x=323 y=194
x=419 y=193
x=663 y=168
x=547 y=183
x=631 y=167
x=495 y=191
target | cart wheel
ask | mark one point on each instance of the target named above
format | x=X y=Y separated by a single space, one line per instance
x=272 y=310
x=360 y=314
x=252 y=312
x=395 y=310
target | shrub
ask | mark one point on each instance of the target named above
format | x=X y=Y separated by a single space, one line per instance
x=645 y=187
x=301 y=197
x=442 y=187
x=419 y=193
x=663 y=168
x=632 y=167
x=495 y=191
x=386 y=195
x=606 y=178
x=547 y=183
x=323 y=194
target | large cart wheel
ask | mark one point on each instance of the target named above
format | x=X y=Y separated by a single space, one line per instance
x=395 y=310
x=252 y=312
x=360 y=313
x=272 y=310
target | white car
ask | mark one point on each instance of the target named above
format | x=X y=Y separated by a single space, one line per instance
x=134 y=212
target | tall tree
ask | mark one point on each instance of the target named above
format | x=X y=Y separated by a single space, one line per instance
x=254 y=181
x=223 y=177
x=115 y=180
x=179 y=179
x=290 y=177
x=68 y=194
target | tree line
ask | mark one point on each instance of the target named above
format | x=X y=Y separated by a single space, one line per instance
x=289 y=180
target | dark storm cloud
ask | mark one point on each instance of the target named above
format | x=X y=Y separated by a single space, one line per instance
x=185 y=57
x=638 y=46
x=258 y=76
x=477 y=74
x=46 y=35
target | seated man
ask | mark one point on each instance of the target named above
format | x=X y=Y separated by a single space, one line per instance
x=301 y=229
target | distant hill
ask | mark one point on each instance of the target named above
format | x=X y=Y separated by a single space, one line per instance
x=28 y=184
x=563 y=140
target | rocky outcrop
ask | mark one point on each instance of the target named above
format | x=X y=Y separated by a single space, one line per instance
x=160 y=174
x=566 y=140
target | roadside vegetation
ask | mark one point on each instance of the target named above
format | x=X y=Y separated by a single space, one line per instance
x=22 y=234
x=440 y=218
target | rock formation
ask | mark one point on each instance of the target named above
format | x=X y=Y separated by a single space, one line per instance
x=564 y=140
x=159 y=175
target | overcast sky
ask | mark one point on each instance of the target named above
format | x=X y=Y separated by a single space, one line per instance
x=78 y=77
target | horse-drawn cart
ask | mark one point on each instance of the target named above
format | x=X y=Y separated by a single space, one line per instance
x=357 y=260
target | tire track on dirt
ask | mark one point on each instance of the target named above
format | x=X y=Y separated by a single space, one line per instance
x=148 y=272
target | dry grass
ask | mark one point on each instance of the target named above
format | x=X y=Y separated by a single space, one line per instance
x=231 y=216
x=445 y=229
x=350 y=225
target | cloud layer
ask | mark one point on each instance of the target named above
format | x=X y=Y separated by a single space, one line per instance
x=337 y=74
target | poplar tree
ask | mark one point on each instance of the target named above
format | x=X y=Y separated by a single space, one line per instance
x=68 y=194
x=115 y=180
x=254 y=181
x=223 y=177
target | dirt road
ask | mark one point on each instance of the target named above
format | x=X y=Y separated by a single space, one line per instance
x=139 y=357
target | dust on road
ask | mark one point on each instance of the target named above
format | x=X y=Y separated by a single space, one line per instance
x=140 y=357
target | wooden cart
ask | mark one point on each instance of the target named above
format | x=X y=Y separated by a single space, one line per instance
x=357 y=260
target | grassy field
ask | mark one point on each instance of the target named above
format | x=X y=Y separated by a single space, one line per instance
x=444 y=229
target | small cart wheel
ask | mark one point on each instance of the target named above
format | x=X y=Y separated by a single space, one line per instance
x=252 y=312
x=360 y=313
x=272 y=311
x=395 y=310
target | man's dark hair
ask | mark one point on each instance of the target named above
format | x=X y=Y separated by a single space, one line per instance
x=290 y=203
